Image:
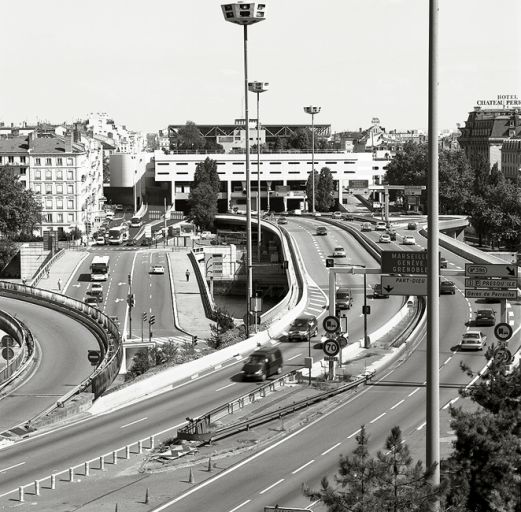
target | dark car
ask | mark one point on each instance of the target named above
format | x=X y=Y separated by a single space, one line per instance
x=447 y=288
x=302 y=327
x=262 y=363
x=378 y=292
x=443 y=262
x=132 y=242
x=343 y=298
x=485 y=317
x=392 y=234
x=412 y=225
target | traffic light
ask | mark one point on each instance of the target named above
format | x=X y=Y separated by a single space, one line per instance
x=152 y=320
x=330 y=262
x=144 y=317
x=131 y=299
x=194 y=341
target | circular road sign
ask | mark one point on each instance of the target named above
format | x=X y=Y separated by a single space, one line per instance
x=7 y=353
x=331 y=323
x=7 y=341
x=502 y=355
x=331 y=347
x=342 y=340
x=503 y=331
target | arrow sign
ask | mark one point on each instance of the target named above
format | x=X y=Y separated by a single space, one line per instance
x=491 y=283
x=490 y=270
x=76 y=285
x=119 y=284
x=404 y=285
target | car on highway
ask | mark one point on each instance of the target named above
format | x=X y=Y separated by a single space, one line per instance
x=408 y=240
x=366 y=226
x=339 y=252
x=321 y=230
x=92 y=301
x=447 y=288
x=262 y=363
x=485 y=317
x=348 y=216
x=443 y=262
x=157 y=269
x=336 y=215
x=392 y=234
x=317 y=214
x=302 y=328
x=282 y=220
x=472 y=340
x=96 y=289
x=412 y=225
x=385 y=238
x=343 y=298
x=378 y=292
x=380 y=226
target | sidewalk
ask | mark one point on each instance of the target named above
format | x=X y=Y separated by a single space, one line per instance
x=61 y=271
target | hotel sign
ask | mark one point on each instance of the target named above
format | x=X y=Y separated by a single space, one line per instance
x=502 y=100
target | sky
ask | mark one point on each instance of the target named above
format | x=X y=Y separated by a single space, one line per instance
x=159 y=62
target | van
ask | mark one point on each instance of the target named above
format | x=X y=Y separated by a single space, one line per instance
x=343 y=298
x=263 y=363
x=321 y=230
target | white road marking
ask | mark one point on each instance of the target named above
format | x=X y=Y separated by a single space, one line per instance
x=378 y=417
x=450 y=402
x=239 y=506
x=397 y=404
x=414 y=391
x=12 y=467
x=332 y=448
x=422 y=425
x=227 y=386
x=447 y=360
x=133 y=422
x=271 y=486
x=303 y=466
x=353 y=434
x=294 y=357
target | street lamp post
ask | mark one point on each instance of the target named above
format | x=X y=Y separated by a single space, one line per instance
x=246 y=14
x=257 y=88
x=312 y=110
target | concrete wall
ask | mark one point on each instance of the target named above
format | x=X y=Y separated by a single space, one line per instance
x=32 y=256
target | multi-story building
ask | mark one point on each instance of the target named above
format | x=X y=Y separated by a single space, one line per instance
x=66 y=173
x=511 y=159
x=486 y=130
x=125 y=141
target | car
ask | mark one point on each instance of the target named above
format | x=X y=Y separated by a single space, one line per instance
x=385 y=238
x=347 y=216
x=317 y=214
x=408 y=240
x=412 y=225
x=486 y=317
x=157 y=269
x=96 y=289
x=207 y=235
x=109 y=214
x=132 y=242
x=282 y=220
x=378 y=292
x=447 y=288
x=443 y=262
x=118 y=207
x=91 y=301
x=339 y=252
x=263 y=363
x=321 y=230
x=366 y=226
x=303 y=328
x=343 y=298
x=380 y=226
x=336 y=215
x=472 y=340
x=100 y=240
x=392 y=234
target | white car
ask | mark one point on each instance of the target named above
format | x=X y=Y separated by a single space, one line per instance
x=157 y=269
x=317 y=214
x=336 y=215
x=100 y=240
x=339 y=252
x=380 y=226
x=96 y=288
x=408 y=240
x=385 y=238
x=472 y=340
x=207 y=234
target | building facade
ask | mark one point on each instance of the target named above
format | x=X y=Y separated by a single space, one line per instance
x=511 y=159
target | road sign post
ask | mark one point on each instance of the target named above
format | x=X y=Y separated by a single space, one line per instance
x=490 y=270
x=331 y=323
x=503 y=331
x=404 y=262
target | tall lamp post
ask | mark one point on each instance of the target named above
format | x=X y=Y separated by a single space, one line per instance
x=257 y=88
x=312 y=110
x=246 y=14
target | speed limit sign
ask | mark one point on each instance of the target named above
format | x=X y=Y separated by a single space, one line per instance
x=331 y=347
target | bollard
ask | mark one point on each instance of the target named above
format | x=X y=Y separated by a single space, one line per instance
x=146 y=497
x=151 y=442
x=191 y=478
x=140 y=446
x=116 y=509
x=115 y=457
x=53 y=481
x=209 y=464
x=21 y=493
x=127 y=452
x=71 y=474
x=87 y=469
x=37 y=487
x=102 y=463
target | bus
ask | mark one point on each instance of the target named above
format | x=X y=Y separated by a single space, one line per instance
x=118 y=234
x=135 y=222
x=99 y=268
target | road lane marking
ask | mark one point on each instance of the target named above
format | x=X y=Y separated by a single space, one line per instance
x=134 y=422
x=450 y=402
x=239 y=506
x=422 y=425
x=447 y=360
x=303 y=466
x=332 y=448
x=294 y=357
x=414 y=391
x=12 y=467
x=397 y=404
x=224 y=387
x=378 y=417
x=353 y=434
x=271 y=486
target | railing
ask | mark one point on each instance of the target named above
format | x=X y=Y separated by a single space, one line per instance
x=36 y=279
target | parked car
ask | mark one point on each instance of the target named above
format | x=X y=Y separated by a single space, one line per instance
x=412 y=225
x=385 y=238
x=473 y=340
x=408 y=240
x=447 y=288
x=263 y=363
x=302 y=327
x=339 y=252
x=486 y=317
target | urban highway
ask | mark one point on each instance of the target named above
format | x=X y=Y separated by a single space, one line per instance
x=398 y=397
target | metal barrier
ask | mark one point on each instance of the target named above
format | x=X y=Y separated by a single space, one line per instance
x=36 y=278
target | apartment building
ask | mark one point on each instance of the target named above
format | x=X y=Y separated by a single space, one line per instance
x=511 y=159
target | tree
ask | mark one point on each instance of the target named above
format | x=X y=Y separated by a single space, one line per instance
x=206 y=172
x=203 y=206
x=324 y=190
x=224 y=323
x=389 y=482
x=301 y=140
x=8 y=249
x=190 y=138
x=455 y=182
x=309 y=189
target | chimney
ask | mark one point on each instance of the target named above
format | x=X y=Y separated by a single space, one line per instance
x=69 y=139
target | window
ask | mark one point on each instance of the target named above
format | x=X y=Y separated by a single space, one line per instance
x=37 y=188
x=48 y=204
x=70 y=216
x=47 y=217
x=70 y=204
x=180 y=172
x=275 y=163
x=23 y=171
x=70 y=161
x=48 y=174
x=38 y=175
x=59 y=175
x=238 y=163
x=37 y=161
x=59 y=161
x=10 y=159
x=70 y=174
x=70 y=189
x=181 y=163
x=22 y=159
x=0 y=159
x=59 y=204
x=59 y=189
x=48 y=161
x=161 y=173
x=48 y=188
x=275 y=172
x=60 y=217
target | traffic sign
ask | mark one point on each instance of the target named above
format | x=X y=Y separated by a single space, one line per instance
x=342 y=340
x=7 y=341
x=7 y=353
x=502 y=355
x=94 y=356
x=490 y=283
x=490 y=270
x=474 y=293
x=331 y=323
x=331 y=347
x=503 y=331
x=404 y=285
x=404 y=262
x=412 y=191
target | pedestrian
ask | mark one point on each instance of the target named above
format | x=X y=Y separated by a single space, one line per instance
x=47 y=272
x=24 y=281
x=59 y=284
x=187 y=274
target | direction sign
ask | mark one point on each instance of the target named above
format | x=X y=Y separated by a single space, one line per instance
x=490 y=283
x=404 y=262
x=490 y=270
x=7 y=353
x=503 y=331
x=404 y=285
x=473 y=293
x=331 y=347
x=331 y=323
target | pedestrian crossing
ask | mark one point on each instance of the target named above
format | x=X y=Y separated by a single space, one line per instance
x=179 y=340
